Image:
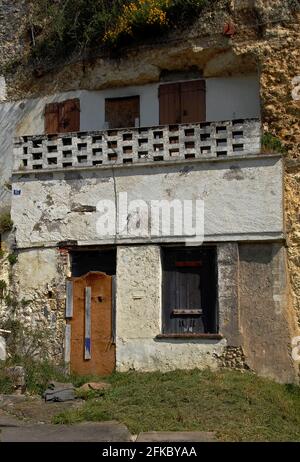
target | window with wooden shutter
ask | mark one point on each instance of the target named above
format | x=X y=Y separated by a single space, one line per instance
x=183 y=102
x=189 y=291
x=122 y=112
x=63 y=117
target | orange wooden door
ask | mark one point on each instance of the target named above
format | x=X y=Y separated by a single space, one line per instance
x=92 y=346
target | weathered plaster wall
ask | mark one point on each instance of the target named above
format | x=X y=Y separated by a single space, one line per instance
x=266 y=325
x=39 y=279
x=139 y=319
x=242 y=199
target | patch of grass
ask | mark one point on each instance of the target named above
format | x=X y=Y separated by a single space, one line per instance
x=238 y=406
x=272 y=144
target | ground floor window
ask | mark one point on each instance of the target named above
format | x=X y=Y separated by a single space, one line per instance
x=189 y=290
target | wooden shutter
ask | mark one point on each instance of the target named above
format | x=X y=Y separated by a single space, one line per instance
x=169 y=104
x=182 y=102
x=122 y=112
x=193 y=101
x=69 y=116
x=62 y=117
x=52 y=118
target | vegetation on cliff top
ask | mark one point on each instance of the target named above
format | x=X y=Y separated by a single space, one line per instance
x=61 y=28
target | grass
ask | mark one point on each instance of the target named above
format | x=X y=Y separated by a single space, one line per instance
x=238 y=406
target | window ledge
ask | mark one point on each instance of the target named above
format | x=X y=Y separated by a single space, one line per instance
x=190 y=336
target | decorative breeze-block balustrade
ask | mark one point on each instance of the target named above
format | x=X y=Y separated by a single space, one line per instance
x=137 y=145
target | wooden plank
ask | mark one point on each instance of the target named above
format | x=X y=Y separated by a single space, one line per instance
x=169 y=104
x=68 y=343
x=69 y=116
x=113 y=308
x=52 y=118
x=69 y=299
x=188 y=264
x=185 y=312
x=87 y=336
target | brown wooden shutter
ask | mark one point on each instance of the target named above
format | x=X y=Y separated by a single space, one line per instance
x=193 y=102
x=63 y=117
x=169 y=104
x=52 y=118
x=122 y=112
x=69 y=116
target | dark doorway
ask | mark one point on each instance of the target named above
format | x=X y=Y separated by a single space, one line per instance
x=84 y=261
x=189 y=291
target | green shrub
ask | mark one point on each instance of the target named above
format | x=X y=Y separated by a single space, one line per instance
x=62 y=29
x=3 y=287
x=6 y=223
x=12 y=258
x=272 y=144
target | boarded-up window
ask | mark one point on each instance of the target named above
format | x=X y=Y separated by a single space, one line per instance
x=122 y=112
x=183 y=102
x=189 y=291
x=63 y=117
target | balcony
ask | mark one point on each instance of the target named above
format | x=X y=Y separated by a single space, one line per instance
x=138 y=145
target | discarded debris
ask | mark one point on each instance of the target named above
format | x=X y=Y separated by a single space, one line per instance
x=59 y=392
x=95 y=386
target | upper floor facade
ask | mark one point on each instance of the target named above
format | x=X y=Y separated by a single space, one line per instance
x=181 y=117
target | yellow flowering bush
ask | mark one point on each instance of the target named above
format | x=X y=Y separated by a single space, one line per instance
x=138 y=14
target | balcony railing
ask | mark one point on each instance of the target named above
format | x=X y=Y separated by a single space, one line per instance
x=138 y=145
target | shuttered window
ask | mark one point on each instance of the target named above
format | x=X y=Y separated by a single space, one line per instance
x=189 y=291
x=183 y=102
x=63 y=117
x=122 y=112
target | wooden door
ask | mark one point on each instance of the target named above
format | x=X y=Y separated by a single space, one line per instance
x=122 y=112
x=92 y=345
x=182 y=103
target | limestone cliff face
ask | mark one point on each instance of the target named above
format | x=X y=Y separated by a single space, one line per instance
x=267 y=39
x=11 y=33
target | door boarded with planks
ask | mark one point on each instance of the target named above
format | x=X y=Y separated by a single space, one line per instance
x=189 y=290
x=182 y=103
x=90 y=341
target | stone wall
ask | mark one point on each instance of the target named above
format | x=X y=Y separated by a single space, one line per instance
x=39 y=288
